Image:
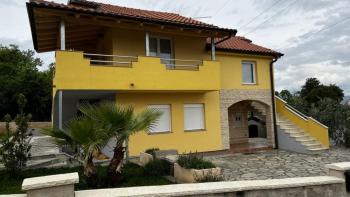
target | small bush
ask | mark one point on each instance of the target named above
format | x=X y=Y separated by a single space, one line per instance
x=210 y=177
x=158 y=167
x=14 y=146
x=132 y=170
x=194 y=161
x=152 y=151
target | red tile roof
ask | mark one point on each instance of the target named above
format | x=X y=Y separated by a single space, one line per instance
x=132 y=13
x=240 y=44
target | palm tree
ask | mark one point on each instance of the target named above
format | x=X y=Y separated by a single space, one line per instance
x=83 y=131
x=122 y=122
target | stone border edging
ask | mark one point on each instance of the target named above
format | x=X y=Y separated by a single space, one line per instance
x=211 y=188
x=342 y=166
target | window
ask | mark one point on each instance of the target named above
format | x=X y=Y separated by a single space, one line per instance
x=194 y=116
x=161 y=47
x=248 y=72
x=238 y=119
x=164 y=122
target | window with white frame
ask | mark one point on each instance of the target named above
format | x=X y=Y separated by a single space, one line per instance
x=194 y=117
x=161 y=47
x=164 y=122
x=248 y=72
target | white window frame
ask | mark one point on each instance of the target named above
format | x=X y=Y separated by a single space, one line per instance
x=155 y=106
x=158 y=45
x=254 y=72
x=203 y=117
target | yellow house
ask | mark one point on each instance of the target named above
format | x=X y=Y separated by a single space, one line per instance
x=215 y=89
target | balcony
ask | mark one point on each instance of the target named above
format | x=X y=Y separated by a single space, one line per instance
x=79 y=71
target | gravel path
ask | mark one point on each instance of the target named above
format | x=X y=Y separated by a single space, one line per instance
x=277 y=164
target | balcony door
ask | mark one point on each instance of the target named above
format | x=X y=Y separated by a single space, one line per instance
x=161 y=47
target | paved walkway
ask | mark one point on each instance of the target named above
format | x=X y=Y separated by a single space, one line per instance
x=277 y=164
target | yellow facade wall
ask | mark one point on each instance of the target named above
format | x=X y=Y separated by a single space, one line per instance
x=74 y=72
x=132 y=42
x=231 y=71
x=183 y=141
x=309 y=125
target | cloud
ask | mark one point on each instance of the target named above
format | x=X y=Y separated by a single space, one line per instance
x=293 y=77
x=322 y=54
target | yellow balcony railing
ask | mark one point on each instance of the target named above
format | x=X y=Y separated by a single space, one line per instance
x=308 y=124
x=76 y=70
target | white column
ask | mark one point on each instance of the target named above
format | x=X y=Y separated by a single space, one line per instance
x=147 y=43
x=60 y=95
x=63 y=35
x=212 y=49
x=60 y=185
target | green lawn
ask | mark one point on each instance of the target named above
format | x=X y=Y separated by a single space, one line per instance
x=133 y=175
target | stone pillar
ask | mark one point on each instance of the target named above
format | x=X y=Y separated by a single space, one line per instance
x=61 y=185
x=338 y=169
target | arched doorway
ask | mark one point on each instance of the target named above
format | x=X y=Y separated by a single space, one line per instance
x=248 y=121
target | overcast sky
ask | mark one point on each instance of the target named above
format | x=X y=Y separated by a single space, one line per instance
x=314 y=35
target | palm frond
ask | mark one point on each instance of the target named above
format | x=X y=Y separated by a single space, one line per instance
x=60 y=137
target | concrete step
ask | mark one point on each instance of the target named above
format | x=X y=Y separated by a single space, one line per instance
x=313 y=146
x=318 y=149
x=305 y=140
x=57 y=165
x=299 y=135
x=288 y=127
x=291 y=130
x=41 y=163
x=296 y=132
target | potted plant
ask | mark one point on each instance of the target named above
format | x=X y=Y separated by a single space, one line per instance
x=191 y=168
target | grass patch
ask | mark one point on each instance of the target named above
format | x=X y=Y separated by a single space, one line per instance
x=132 y=175
x=10 y=184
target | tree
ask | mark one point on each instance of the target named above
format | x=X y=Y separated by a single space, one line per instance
x=313 y=91
x=15 y=147
x=86 y=133
x=122 y=122
x=98 y=124
x=19 y=74
x=335 y=116
x=286 y=95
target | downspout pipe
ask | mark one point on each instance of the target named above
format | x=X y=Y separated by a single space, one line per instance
x=272 y=82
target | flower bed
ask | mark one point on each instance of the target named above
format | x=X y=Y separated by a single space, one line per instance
x=191 y=168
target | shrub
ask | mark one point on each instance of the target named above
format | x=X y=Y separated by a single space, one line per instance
x=152 y=151
x=194 y=161
x=209 y=177
x=158 y=167
x=15 y=147
x=132 y=170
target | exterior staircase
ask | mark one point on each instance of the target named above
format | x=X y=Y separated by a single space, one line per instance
x=258 y=107
x=298 y=132
x=295 y=139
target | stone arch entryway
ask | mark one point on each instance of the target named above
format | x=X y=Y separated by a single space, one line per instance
x=239 y=110
x=248 y=123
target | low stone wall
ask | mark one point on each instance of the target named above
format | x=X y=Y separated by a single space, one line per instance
x=323 y=186
x=320 y=186
x=36 y=125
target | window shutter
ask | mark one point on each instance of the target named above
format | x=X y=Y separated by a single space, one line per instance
x=164 y=122
x=194 y=116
